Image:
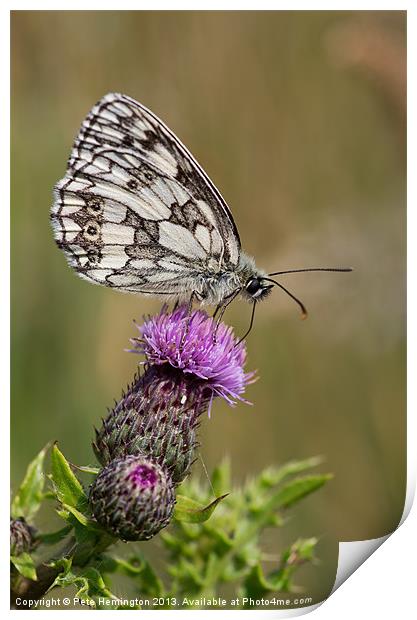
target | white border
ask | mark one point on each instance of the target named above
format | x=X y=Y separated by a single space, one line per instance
x=392 y=567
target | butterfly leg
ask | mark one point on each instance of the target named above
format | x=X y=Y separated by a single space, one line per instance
x=250 y=324
x=194 y=296
x=221 y=309
x=218 y=308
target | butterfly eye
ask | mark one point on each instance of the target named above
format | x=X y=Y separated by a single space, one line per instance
x=91 y=231
x=253 y=286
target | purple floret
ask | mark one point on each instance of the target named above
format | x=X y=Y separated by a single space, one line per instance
x=143 y=476
x=196 y=344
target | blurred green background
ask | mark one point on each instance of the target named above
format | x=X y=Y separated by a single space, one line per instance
x=299 y=118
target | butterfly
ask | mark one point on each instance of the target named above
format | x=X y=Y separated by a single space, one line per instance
x=137 y=213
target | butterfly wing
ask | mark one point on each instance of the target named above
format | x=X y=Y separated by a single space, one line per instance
x=135 y=211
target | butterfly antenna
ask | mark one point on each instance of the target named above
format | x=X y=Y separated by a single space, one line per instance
x=336 y=269
x=304 y=312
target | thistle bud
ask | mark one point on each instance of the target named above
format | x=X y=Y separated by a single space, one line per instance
x=132 y=498
x=21 y=536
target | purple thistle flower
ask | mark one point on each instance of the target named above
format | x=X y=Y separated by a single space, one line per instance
x=195 y=344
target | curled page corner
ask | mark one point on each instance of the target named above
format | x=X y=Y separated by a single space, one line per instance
x=352 y=554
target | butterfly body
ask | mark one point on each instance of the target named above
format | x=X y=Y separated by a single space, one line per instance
x=135 y=212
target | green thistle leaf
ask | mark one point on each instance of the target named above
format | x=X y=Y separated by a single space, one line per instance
x=81 y=518
x=299 y=488
x=256 y=584
x=190 y=511
x=29 y=495
x=25 y=565
x=96 y=584
x=88 y=581
x=272 y=476
x=64 y=566
x=67 y=487
x=54 y=537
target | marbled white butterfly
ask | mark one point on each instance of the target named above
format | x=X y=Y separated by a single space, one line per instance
x=136 y=212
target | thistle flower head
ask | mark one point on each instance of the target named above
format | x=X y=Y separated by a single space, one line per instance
x=190 y=359
x=21 y=536
x=197 y=345
x=132 y=498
